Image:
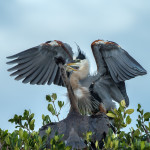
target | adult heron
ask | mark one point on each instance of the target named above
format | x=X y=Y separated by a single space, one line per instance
x=38 y=65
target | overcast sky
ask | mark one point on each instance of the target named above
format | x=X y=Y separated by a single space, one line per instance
x=28 y=23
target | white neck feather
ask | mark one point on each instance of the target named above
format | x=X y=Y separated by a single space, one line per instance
x=80 y=74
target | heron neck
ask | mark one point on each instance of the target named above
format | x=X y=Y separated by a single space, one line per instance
x=81 y=74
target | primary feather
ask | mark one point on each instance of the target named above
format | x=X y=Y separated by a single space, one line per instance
x=37 y=65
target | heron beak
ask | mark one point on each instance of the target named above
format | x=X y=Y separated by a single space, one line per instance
x=72 y=66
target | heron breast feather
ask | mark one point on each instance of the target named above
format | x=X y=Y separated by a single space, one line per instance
x=78 y=93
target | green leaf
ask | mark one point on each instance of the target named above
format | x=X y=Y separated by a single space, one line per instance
x=16 y=147
x=26 y=114
x=136 y=133
x=122 y=133
x=51 y=141
x=147 y=116
x=139 y=122
x=56 y=138
x=116 y=144
x=48 y=131
x=123 y=125
x=128 y=120
x=67 y=148
x=121 y=109
x=88 y=135
x=111 y=115
x=31 y=124
x=48 y=98
x=25 y=134
x=26 y=124
x=142 y=145
x=5 y=133
x=31 y=117
x=54 y=96
x=116 y=111
x=16 y=118
x=96 y=144
x=21 y=133
x=129 y=111
x=139 y=107
x=142 y=112
x=51 y=109
x=60 y=104
x=17 y=126
x=47 y=118
x=43 y=116
x=123 y=103
x=7 y=140
x=11 y=120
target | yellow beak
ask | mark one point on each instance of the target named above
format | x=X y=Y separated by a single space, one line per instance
x=68 y=66
x=72 y=64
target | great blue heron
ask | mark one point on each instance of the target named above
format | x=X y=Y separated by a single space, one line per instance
x=38 y=65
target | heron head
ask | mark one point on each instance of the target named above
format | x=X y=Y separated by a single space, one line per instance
x=77 y=62
x=74 y=65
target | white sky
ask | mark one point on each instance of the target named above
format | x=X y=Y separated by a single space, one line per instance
x=27 y=23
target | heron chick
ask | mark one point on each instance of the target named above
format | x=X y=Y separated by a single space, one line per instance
x=88 y=101
x=82 y=93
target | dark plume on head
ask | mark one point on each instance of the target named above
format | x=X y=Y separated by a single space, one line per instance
x=81 y=55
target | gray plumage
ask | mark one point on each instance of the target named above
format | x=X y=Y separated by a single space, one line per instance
x=114 y=66
x=75 y=126
x=37 y=65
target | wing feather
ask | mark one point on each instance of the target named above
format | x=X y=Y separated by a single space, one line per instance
x=53 y=75
x=112 y=70
x=122 y=73
x=32 y=75
x=126 y=68
x=42 y=74
x=21 y=65
x=41 y=68
x=121 y=65
x=37 y=65
x=57 y=78
x=111 y=58
x=25 y=53
x=48 y=73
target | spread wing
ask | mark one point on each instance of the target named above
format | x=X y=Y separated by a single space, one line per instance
x=117 y=61
x=37 y=65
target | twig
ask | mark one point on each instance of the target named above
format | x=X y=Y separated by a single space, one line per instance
x=55 y=110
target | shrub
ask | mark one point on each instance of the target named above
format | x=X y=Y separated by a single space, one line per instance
x=25 y=138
